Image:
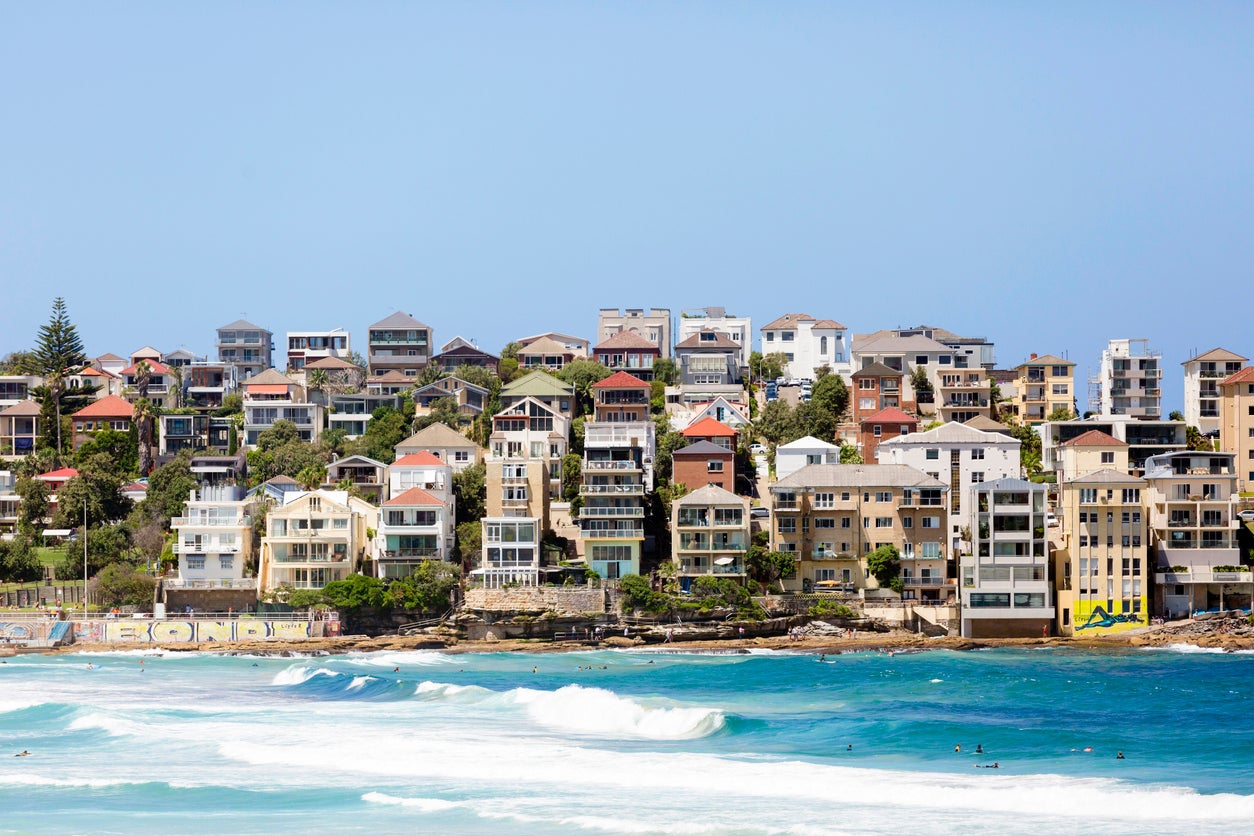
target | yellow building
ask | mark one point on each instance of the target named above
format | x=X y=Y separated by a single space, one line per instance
x=314 y=538
x=1236 y=424
x=1091 y=451
x=1101 y=558
x=1044 y=384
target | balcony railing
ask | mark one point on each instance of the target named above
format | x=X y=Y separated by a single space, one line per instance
x=610 y=512
x=209 y=583
x=234 y=522
x=611 y=465
x=916 y=582
x=1204 y=576
x=411 y=554
x=206 y=548
x=328 y=558
x=628 y=490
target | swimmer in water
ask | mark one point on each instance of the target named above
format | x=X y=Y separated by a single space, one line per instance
x=958 y=749
x=1120 y=757
x=979 y=749
x=22 y=754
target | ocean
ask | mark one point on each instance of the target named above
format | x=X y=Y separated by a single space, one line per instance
x=628 y=742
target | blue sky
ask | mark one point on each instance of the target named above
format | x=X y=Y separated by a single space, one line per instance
x=1049 y=175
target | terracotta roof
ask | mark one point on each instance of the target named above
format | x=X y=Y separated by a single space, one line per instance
x=1045 y=360
x=22 y=408
x=544 y=345
x=110 y=406
x=626 y=339
x=422 y=458
x=787 y=322
x=708 y=427
x=702 y=448
x=828 y=323
x=133 y=487
x=621 y=380
x=1217 y=354
x=331 y=363
x=154 y=366
x=890 y=415
x=92 y=371
x=1094 y=438
x=1246 y=375
x=720 y=340
x=414 y=496
x=109 y=358
x=57 y=475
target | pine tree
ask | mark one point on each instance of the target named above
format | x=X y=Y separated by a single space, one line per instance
x=59 y=354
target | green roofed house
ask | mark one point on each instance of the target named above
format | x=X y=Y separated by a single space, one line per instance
x=554 y=393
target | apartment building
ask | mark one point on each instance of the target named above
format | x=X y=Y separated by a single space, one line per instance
x=213 y=539
x=519 y=488
x=1089 y=452
x=445 y=443
x=553 y=392
x=162 y=387
x=305 y=346
x=1129 y=381
x=1102 y=562
x=885 y=424
x=270 y=397
x=830 y=516
x=197 y=431
x=704 y=463
x=110 y=412
x=961 y=457
x=963 y=395
x=737 y=329
x=654 y=326
x=1236 y=428
x=315 y=537
x=808 y=344
x=628 y=352
x=1193 y=503
x=709 y=367
x=460 y=351
x=619 y=446
x=710 y=535
x=19 y=429
x=531 y=430
x=207 y=384
x=414 y=526
x=875 y=387
x=547 y=353
x=16 y=388
x=903 y=354
x=1043 y=384
x=368 y=477
x=247 y=347
x=1144 y=438
x=398 y=343
x=1006 y=584
x=353 y=411
x=1202 y=376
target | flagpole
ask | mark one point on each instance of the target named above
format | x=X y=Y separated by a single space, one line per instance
x=84 y=561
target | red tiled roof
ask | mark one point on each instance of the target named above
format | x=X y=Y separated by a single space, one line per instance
x=621 y=380
x=890 y=415
x=422 y=457
x=92 y=371
x=110 y=406
x=134 y=486
x=708 y=427
x=58 y=475
x=828 y=323
x=153 y=365
x=1094 y=438
x=1246 y=375
x=626 y=339
x=414 y=496
x=787 y=321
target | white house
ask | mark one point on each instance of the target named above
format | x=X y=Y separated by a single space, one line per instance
x=807 y=344
x=791 y=457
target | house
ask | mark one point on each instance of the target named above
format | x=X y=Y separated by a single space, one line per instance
x=738 y=329
x=885 y=424
x=962 y=458
x=213 y=539
x=315 y=537
x=1202 y=376
x=1006 y=589
x=1193 y=502
x=1089 y=452
x=389 y=383
x=421 y=470
x=628 y=352
x=342 y=376
x=461 y=352
x=198 y=431
x=470 y=398
x=1101 y=563
x=306 y=346
x=709 y=367
x=715 y=432
x=110 y=364
x=1144 y=438
x=446 y=444
x=136 y=491
x=791 y=457
x=553 y=392
x=213 y=471
x=100 y=382
x=179 y=358
x=577 y=345
x=10 y=502
x=531 y=430
x=654 y=326
x=711 y=535
x=207 y=384
x=270 y=397
x=248 y=347
x=1042 y=386
x=904 y=354
x=1236 y=427
x=399 y=343
x=274 y=491
x=619 y=446
x=16 y=388
x=353 y=411
x=704 y=463
x=733 y=414
x=110 y=412
x=1129 y=381
x=163 y=383
x=19 y=429
x=547 y=353
x=808 y=344
x=146 y=354
x=414 y=526
x=55 y=480
x=875 y=387
x=369 y=478
x=830 y=516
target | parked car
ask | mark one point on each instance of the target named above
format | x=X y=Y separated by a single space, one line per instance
x=1247 y=515
x=757 y=449
x=759 y=513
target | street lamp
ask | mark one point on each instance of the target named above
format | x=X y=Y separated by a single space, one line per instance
x=84 y=558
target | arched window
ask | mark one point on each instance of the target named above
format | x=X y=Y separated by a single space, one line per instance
x=823 y=346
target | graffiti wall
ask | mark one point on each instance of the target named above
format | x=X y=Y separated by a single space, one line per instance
x=22 y=631
x=1091 y=617
x=167 y=631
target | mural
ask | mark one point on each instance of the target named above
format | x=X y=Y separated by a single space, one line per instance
x=1091 y=618
x=130 y=631
x=18 y=631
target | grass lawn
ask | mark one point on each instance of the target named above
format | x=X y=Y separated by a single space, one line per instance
x=50 y=555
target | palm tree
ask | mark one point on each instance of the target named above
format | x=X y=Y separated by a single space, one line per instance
x=143 y=416
x=316 y=380
x=143 y=377
x=311 y=477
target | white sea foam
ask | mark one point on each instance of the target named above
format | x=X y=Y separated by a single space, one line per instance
x=299 y=674
x=114 y=726
x=935 y=680
x=598 y=711
x=360 y=682
x=17 y=705
x=1193 y=648
x=400 y=659
x=425 y=805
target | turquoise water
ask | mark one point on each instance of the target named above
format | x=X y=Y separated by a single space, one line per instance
x=643 y=742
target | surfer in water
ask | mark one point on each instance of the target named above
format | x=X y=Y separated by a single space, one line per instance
x=22 y=754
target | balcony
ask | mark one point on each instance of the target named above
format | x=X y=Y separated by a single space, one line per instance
x=326 y=558
x=914 y=583
x=606 y=529
x=1203 y=576
x=215 y=522
x=411 y=554
x=617 y=465
x=620 y=490
x=209 y=583
x=594 y=511
x=206 y=548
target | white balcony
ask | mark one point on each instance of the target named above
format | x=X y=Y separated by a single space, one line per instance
x=624 y=490
x=215 y=522
x=194 y=547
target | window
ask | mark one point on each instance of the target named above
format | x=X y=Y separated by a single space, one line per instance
x=867 y=382
x=1088 y=495
x=877 y=431
x=920 y=359
x=883 y=522
x=977 y=476
x=907 y=522
x=883 y=496
x=844 y=522
x=824 y=500
x=977 y=455
x=713 y=466
x=788 y=336
x=824 y=522
x=932 y=455
x=226 y=561
x=1108 y=458
x=1131 y=495
x=931 y=522
x=822 y=346
x=787 y=525
x=929 y=550
x=195 y=561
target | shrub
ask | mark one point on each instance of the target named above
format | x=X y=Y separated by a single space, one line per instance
x=831 y=609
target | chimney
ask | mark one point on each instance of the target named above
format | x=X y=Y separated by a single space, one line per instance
x=1032 y=357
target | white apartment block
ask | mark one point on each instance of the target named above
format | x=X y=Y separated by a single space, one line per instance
x=1202 y=376
x=213 y=539
x=306 y=346
x=1129 y=381
x=808 y=344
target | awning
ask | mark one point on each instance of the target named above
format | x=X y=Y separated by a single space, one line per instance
x=58 y=532
x=267 y=389
x=723 y=561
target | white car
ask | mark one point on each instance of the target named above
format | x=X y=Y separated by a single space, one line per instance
x=757 y=449
x=1246 y=515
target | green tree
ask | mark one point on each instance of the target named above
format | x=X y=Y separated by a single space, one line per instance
x=143 y=419
x=767 y=367
x=469 y=542
x=1175 y=415
x=777 y=424
x=508 y=369
x=813 y=420
x=122 y=585
x=117 y=445
x=511 y=349
x=355 y=594
x=58 y=354
x=884 y=564
x=1029 y=449
x=428 y=590
x=849 y=455
x=668 y=441
x=583 y=374
x=1060 y=413
x=430 y=375
x=1194 y=440
x=443 y=411
x=572 y=476
x=921 y=385
x=98 y=486
x=766 y=567
x=665 y=370
x=280 y=451
x=105 y=544
x=387 y=428
x=639 y=595
x=18 y=561
x=830 y=395
x=232 y=404
x=316 y=380
x=34 y=506
x=311 y=476
x=471 y=490
x=168 y=489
